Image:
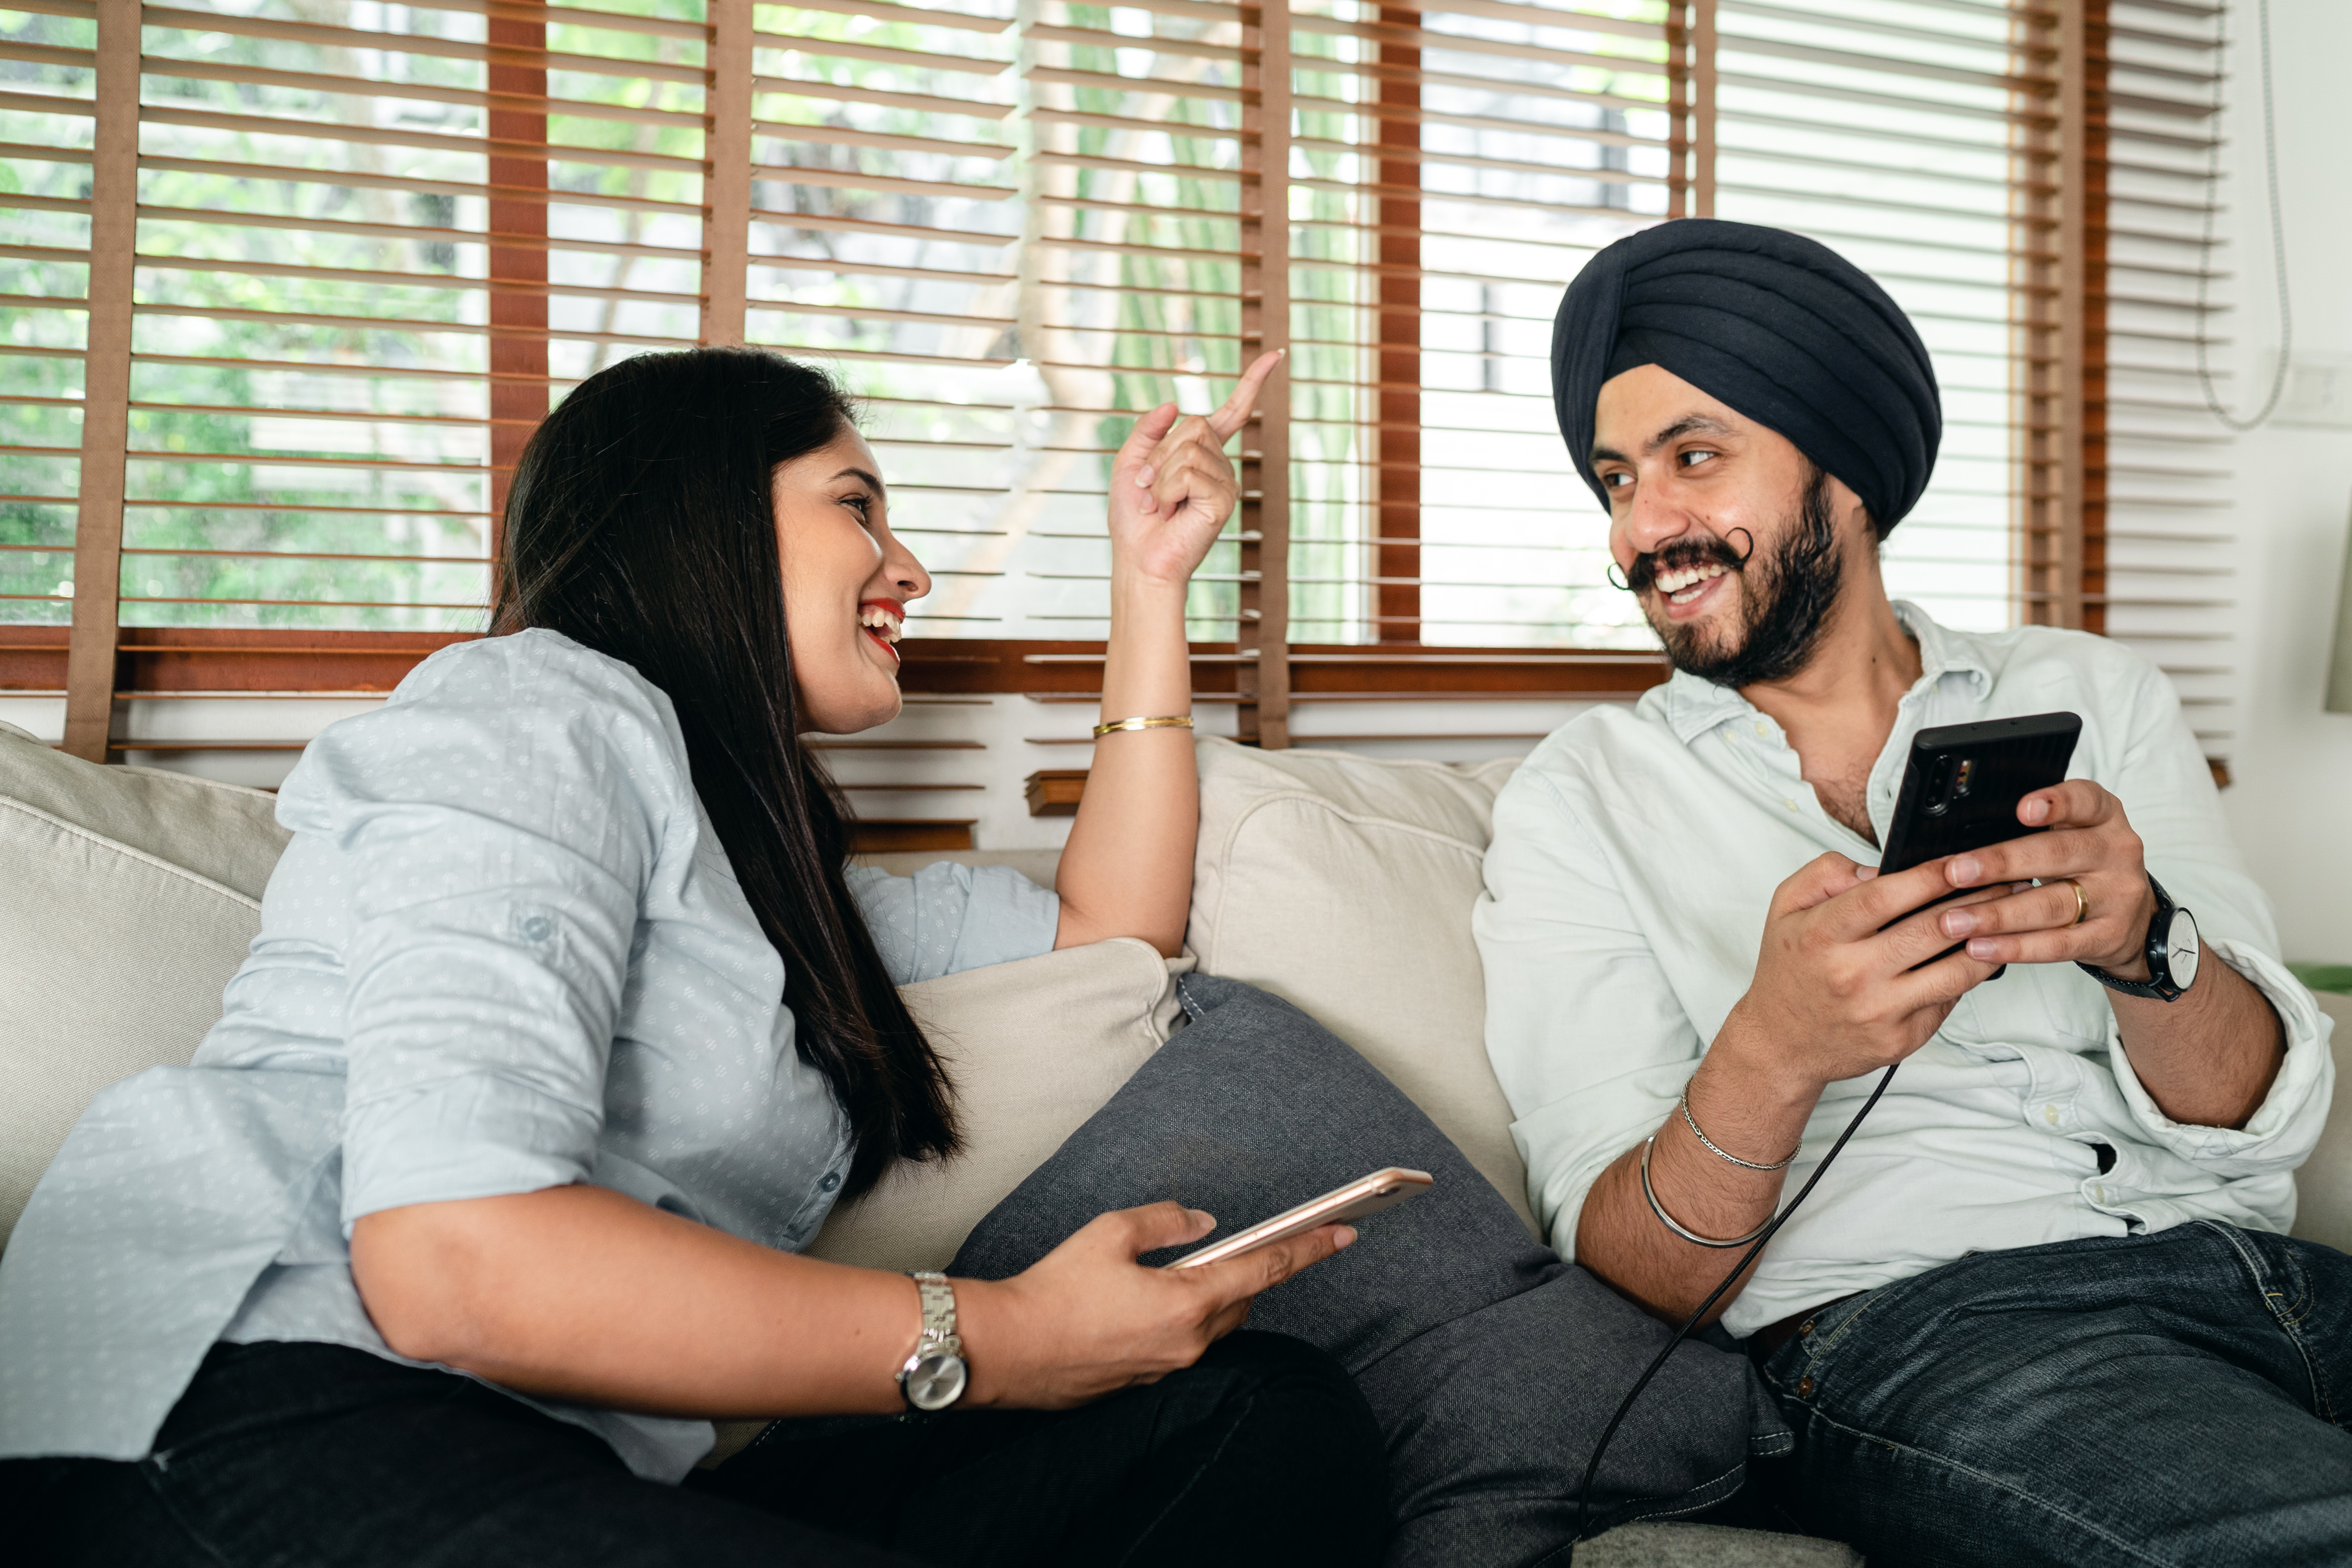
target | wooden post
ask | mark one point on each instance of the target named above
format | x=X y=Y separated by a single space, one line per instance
x=1703 y=109
x=1264 y=681
x=726 y=174
x=2091 y=389
x=2066 y=601
x=106 y=385
x=2060 y=272
x=1396 y=598
x=1678 y=110
x=518 y=203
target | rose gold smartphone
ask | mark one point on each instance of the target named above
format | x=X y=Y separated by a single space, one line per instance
x=1364 y=1195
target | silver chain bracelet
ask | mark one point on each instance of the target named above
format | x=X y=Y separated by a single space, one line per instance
x=1669 y=1221
x=1720 y=1153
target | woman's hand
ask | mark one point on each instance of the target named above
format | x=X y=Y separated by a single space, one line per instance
x=1127 y=869
x=1087 y=1320
x=1172 y=488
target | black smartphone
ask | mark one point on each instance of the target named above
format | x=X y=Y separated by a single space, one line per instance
x=1963 y=782
x=1963 y=785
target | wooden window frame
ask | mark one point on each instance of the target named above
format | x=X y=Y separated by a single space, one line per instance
x=99 y=664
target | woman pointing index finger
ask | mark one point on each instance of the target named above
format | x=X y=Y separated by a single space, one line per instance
x=1127 y=869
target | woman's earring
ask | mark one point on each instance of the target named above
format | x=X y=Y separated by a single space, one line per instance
x=1751 y=544
x=1616 y=581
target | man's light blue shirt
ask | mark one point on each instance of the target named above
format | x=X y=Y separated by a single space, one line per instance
x=1633 y=858
x=503 y=951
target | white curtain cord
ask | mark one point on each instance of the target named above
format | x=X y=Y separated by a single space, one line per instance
x=2278 y=231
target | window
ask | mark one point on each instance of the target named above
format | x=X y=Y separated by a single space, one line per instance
x=369 y=249
x=2158 y=571
x=1901 y=133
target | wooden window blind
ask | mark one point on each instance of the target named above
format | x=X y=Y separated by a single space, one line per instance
x=292 y=292
x=2157 y=568
x=335 y=270
x=1903 y=135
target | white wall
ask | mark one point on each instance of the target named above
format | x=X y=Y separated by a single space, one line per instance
x=2291 y=806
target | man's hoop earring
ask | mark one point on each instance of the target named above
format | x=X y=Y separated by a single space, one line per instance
x=1751 y=545
x=1615 y=580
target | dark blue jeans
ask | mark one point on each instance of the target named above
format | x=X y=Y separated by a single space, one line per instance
x=2166 y=1399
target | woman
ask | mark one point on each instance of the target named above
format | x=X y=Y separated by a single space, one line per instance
x=566 y=1027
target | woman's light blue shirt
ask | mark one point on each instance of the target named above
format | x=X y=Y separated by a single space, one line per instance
x=504 y=951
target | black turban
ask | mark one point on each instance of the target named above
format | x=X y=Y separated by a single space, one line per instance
x=1780 y=327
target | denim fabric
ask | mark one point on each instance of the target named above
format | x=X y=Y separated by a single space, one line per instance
x=1491 y=1365
x=328 y=1458
x=2166 y=1399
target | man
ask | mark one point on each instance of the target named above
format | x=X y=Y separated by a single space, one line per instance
x=2042 y=1309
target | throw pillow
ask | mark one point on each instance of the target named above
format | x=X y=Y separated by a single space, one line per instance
x=1344 y=884
x=1034 y=1048
x=132 y=896
x=2323 y=1186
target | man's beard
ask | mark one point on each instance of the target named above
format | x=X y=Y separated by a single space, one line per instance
x=1785 y=600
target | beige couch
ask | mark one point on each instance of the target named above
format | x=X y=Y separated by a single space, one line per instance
x=1342 y=883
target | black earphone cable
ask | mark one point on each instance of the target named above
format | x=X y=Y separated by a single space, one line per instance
x=1584 y=1492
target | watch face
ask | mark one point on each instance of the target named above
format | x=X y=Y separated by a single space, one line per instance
x=936 y=1383
x=2180 y=948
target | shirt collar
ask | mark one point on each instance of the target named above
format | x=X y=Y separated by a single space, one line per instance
x=1691 y=707
x=1943 y=651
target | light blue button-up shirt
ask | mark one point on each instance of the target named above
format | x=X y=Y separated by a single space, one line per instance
x=503 y=951
x=1633 y=858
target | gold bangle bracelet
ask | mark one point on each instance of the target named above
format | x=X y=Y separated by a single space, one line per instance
x=1171 y=721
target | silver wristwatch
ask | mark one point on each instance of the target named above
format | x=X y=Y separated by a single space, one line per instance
x=935 y=1376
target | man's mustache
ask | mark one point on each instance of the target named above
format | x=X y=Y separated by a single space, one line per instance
x=1687 y=552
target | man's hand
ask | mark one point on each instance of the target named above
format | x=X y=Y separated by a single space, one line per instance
x=2090 y=843
x=1844 y=982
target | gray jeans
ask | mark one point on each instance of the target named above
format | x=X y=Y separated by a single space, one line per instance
x=1490 y=1365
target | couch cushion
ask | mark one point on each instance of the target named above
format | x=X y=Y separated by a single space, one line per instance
x=2323 y=1210
x=225 y=833
x=131 y=897
x=1344 y=884
x=1034 y=1047
x=1673 y=1544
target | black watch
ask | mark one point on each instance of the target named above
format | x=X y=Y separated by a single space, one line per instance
x=2172 y=954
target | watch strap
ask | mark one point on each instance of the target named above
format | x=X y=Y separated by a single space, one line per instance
x=2157 y=987
x=939 y=1316
x=935 y=1374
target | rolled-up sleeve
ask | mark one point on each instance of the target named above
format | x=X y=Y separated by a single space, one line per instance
x=1569 y=968
x=492 y=837
x=948 y=917
x=2167 y=793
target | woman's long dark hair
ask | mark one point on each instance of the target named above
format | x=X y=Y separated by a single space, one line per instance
x=640 y=524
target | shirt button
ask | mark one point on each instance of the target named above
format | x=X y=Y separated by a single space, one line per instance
x=1789 y=801
x=2050 y=1114
x=1804 y=1387
x=829 y=1181
x=1762 y=728
x=538 y=928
